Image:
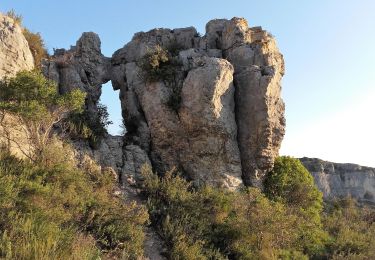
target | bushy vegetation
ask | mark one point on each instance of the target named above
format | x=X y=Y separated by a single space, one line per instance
x=210 y=223
x=57 y=211
x=291 y=183
x=50 y=209
x=160 y=64
x=87 y=125
x=351 y=228
x=37 y=106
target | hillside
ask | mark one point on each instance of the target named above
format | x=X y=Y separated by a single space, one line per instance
x=196 y=174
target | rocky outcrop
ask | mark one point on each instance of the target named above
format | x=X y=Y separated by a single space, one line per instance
x=229 y=121
x=15 y=54
x=337 y=180
x=83 y=66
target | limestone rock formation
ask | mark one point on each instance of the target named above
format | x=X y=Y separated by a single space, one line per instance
x=83 y=67
x=15 y=54
x=230 y=122
x=226 y=121
x=337 y=180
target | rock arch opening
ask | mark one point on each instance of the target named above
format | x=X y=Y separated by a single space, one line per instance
x=110 y=98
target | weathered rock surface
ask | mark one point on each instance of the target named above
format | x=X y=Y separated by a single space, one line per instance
x=15 y=54
x=83 y=67
x=229 y=124
x=231 y=119
x=342 y=179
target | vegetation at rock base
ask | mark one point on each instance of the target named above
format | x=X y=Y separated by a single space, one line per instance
x=160 y=64
x=35 y=40
x=49 y=208
x=210 y=223
x=37 y=107
x=291 y=183
x=57 y=211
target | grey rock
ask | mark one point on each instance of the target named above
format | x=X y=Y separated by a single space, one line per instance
x=208 y=149
x=15 y=54
x=207 y=118
x=339 y=180
x=83 y=67
x=230 y=122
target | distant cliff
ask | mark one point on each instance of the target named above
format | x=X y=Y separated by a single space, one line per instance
x=342 y=179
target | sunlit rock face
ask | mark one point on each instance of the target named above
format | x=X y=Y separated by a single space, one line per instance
x=228 y=126
x=15 y=54
x=337 y=180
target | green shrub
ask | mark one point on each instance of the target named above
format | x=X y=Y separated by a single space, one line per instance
x=352 y=230
x=160 y=64
x=291 y=183
x=56 y=211
x=37 y=106
x=88 y=126
x=213 y=223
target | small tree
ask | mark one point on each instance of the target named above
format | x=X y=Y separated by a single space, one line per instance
x=36 y=106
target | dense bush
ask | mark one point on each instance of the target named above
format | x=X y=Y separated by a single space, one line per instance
x=87 y=125
x=56 y=211
x=212 y=223
x=291 y=183
x=37 y=106
x=352 y=230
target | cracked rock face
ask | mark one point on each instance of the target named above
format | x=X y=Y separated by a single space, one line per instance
x=15 y=54
x=337 y=180
x=229 y=123
x=83 y=67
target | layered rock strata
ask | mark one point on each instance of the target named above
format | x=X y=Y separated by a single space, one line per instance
x=339 y=180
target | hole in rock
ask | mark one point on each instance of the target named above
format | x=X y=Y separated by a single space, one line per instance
x=110 y=98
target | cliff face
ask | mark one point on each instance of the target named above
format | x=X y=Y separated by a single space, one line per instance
x=15 y=54
x=342 y=179
x=229 y=124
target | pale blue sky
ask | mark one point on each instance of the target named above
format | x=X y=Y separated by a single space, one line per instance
x=328 y=46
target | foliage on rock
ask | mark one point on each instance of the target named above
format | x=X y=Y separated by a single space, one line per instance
x=89 y=126
x=37 y=46
x=160 y=64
